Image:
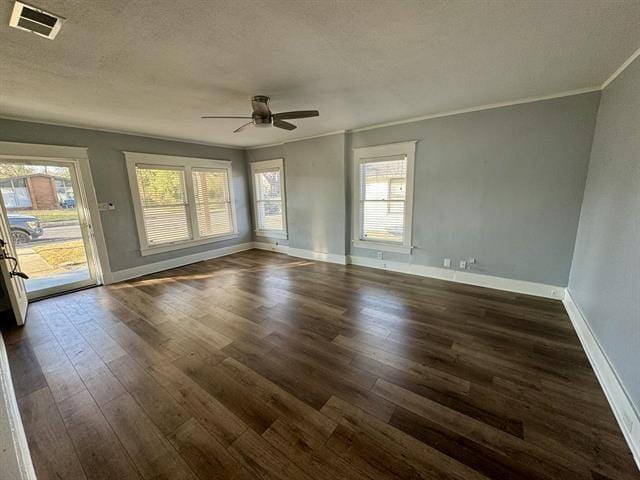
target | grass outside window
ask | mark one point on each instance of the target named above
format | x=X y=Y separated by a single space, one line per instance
x=64 y=254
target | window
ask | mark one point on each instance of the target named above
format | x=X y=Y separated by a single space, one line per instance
x=163 y=199
x=213 y=203
x=15 y=193
x=64 y=190
x=269 y=198
x=180 y=202
x=383 y=197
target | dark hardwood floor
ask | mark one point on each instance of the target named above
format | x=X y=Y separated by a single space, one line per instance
x=259 y=365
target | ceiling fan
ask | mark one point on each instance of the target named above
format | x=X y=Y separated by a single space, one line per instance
x=262 y=116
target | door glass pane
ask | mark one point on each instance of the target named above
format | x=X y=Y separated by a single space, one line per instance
x=45 y=226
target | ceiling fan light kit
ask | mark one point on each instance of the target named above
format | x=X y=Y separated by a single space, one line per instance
x=263 y=117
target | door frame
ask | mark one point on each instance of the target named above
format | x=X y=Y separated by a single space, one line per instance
x=78 y=161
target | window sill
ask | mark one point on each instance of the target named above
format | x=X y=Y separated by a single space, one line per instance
x=271 y=234
x=381 y=246
x=144 y=251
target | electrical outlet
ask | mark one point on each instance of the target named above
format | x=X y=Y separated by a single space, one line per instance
x=463 y=264
x=472 y=261
x=447 y=263
x=379 y=255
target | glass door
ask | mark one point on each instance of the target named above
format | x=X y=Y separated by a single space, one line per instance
x=48 y=220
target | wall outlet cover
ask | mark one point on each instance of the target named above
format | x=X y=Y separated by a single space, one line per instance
x=447 y=262
x=463 y=264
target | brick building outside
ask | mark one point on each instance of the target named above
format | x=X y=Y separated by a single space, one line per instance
x=36 y=191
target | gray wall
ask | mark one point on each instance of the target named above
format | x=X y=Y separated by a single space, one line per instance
x=503 y=185
x=605 y=275
x=315 y=190
x=316 y=194
x=111 y=183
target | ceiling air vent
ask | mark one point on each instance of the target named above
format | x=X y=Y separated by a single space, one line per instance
x=35 y=20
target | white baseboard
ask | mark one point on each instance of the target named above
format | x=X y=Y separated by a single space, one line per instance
x=14 y=449
x=142 y=270
x=507 y=284
x=470 y=278
x=320 y=256
x=271 y=247
x=625 y=414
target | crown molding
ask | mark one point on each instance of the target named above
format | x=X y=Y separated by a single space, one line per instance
x=478 y=108
x=621 y=69
x=120 y=132
x=569 y=93
x=255 y=147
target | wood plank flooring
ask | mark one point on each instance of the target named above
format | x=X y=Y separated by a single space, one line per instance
x=259 y=365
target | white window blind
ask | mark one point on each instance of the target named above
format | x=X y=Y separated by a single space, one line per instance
x=269 y=200
x=164 y=204
x=383 y=186
x=213 y=201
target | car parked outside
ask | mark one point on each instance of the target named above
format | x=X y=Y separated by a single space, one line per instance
x=24 y=228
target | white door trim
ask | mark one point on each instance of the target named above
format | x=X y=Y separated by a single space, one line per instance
x=15 y=456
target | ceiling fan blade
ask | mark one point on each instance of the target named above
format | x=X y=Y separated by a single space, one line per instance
x=297 y=114
x=260 y=105
x=226 y=117
x=239 y=129
x=282 y=124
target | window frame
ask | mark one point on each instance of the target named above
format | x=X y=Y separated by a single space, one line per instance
x=375 y=153
x=269 y=165
x=133 y=159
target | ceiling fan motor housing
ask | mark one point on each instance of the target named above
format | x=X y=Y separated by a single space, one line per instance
x=262 y=119
x=260 y=98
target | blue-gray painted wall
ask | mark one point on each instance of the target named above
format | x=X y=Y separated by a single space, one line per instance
x=605 y=275
x=503 y=186
x=315 y=192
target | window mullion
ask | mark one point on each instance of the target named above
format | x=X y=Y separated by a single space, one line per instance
x=363 y=198
x=259 y=201
x=192 y=211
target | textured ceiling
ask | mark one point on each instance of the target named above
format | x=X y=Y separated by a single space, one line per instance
x=154 y=67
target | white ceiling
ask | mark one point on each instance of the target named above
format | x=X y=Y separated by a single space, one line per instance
x=155 y=67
